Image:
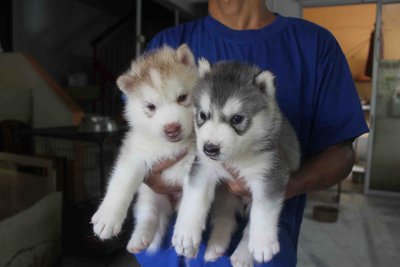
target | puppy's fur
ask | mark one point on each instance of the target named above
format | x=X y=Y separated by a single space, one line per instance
x=158 y=109
x=238 y=123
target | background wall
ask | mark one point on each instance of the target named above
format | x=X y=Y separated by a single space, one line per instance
x=29 y=95
x=391 y=31
x=58 y=33
x=351 y=25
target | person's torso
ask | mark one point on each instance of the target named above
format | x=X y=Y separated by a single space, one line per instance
x=287 y=49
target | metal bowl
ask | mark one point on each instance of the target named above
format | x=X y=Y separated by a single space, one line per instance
x=98 y=124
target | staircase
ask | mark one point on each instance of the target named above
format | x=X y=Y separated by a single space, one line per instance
x=115 y=48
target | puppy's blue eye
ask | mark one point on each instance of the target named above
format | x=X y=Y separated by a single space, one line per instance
x=236 y=119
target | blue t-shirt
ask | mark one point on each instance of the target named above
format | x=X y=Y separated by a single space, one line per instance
x=315 y=91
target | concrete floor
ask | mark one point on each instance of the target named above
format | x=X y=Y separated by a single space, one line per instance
x=366 y=234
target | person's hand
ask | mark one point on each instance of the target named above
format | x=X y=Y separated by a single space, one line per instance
x=237 y=186
x=154 y=181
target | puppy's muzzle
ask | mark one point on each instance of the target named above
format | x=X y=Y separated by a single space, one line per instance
x=173 y=131
x=212 y=150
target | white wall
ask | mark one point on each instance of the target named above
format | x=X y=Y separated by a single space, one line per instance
x=57 y=33
x=48 y=105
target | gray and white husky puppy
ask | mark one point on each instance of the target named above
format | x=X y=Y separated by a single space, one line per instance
x=238 y=124
x=158 y=109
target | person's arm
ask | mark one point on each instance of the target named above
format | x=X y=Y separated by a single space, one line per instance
x=321 y=171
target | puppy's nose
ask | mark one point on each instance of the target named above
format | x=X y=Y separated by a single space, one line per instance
x=172 y=129
x=211 y=150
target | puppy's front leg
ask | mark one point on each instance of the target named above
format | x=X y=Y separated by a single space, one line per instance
x=223 y=221
x=198 y=194
x=152 y=212
x=242 y=257
x=125 y=180
x=264 y=216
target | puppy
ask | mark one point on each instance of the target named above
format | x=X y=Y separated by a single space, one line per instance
x=238 y=123
x=158 y=109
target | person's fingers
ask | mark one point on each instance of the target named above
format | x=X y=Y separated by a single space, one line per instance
x=239 y=187
x=233 y=188
x=165 y=164
x=152 y=179
x=232 y=171
x=166 y=190
x=155 y=182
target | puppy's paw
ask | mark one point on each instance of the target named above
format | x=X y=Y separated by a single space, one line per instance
x=186 y=240
x=242 y=257
x=107 y=223
x=138 y=242
x=217 y=244
x=264 y=247
x=214 y=251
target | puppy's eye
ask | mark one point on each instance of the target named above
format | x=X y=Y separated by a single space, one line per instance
x=182 y=98
x=203 y=116
x=237 y=119
x=151 y=107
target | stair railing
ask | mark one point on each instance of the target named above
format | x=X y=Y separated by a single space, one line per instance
x=113 y=51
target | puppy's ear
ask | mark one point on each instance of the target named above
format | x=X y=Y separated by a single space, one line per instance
x=185 y=55
x=126 y=83
x=204 y=66
x=265 y=81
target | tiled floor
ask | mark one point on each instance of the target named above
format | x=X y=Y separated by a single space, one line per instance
x=366 y=234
